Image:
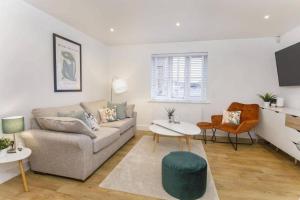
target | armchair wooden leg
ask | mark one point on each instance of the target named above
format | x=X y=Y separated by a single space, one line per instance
x=250 y=137
x=236 y=139
x=214 y=138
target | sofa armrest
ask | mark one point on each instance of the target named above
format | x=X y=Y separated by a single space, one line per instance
x=46 y=138
x=135 y=119
x=63 y=154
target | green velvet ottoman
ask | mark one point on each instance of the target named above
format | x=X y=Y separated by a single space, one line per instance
x=184 y=175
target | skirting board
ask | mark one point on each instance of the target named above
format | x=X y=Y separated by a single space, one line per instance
x=142 y=127
x=11 y=170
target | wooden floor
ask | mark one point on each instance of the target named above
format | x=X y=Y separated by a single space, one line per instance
x=253 y=172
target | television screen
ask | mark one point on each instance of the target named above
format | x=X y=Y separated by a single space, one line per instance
x=288 y=65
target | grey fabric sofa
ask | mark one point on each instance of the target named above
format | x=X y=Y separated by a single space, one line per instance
x=74 y=155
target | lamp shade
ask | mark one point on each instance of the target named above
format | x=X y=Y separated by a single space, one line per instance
x=13 y=124
x=119 y=86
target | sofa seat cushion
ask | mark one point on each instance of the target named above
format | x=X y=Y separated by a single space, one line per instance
x=104 y=137
x=123 y=124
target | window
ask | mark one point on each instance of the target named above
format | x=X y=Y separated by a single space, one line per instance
x=179 y=77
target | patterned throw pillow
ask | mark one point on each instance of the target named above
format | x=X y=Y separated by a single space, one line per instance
x=121 y=109
x=91 y=120
x=231 y=117
x=108 y=115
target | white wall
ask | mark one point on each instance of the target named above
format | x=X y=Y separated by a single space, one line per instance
x=238 y=71
x=26 y=64
x=291 y=94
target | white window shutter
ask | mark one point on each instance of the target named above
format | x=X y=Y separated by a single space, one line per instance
x=179 y=77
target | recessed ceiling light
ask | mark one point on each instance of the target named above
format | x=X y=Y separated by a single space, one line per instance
x=111 y=30
x=266 y=16
x=177 y=24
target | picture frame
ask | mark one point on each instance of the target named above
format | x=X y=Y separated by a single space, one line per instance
x=67 y=65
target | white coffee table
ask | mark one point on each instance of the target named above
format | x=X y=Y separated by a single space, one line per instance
x=182 y=130
x=19 y=156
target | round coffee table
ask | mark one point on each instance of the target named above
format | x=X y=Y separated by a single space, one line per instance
x=19 y=156
x=182 y=130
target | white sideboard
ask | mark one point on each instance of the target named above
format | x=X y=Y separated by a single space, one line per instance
x=281 y=127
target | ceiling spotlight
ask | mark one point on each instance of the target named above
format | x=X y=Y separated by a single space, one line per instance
x=111 y=30
x=177 y=24
x=266 y=16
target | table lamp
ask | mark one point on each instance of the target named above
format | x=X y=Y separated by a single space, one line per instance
x=118 y=86
x=13 y=125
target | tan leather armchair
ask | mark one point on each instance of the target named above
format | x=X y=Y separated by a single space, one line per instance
x=249 y=120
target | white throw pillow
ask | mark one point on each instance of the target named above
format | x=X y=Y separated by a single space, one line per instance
x=108 y=115
x=231 y=117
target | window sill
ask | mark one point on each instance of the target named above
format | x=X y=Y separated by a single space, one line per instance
x=179 y=101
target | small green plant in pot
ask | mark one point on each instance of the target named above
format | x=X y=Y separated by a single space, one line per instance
x=170 y=112
x=267 y=98
x=4 y=144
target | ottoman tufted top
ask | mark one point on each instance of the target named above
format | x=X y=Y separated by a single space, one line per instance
x=184 y=161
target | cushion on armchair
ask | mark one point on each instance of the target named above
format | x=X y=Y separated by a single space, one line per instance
x=231 y=117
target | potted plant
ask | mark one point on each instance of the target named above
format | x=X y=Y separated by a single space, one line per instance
x=4 y=144
x=170 y=112
x=267 y=98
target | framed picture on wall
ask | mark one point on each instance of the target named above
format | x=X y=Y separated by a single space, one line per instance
x=67 y=65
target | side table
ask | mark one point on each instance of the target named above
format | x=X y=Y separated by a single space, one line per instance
x=19 y=156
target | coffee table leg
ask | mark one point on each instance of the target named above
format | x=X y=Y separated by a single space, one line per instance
x=180 y=145
x=154 y=144
x=189 y=143
x=157 y=138
x=23 y=176
x=154 y=135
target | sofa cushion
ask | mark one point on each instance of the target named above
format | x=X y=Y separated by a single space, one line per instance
x=104 y=137
x=93 y=107
x=52 y=111
x=121 y=109
x=107 y=115
x=123 y=124
x=130 y=110
x=65 y=124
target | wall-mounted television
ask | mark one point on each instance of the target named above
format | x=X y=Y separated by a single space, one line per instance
x=288 y=65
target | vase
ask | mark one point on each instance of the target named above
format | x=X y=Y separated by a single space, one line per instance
x=171 y=117
x=267 y=104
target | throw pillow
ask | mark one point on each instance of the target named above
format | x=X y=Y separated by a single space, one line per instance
x=93 y=107
x=108 y=115
x=130 y=110
x=92 y=122
x=65 y=124
x=231 y=117
x=121 y=109
x=75 y=114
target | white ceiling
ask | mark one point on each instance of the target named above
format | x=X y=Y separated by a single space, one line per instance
x=151 y=21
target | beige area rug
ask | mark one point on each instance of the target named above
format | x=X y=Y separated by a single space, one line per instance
x=140 y=170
